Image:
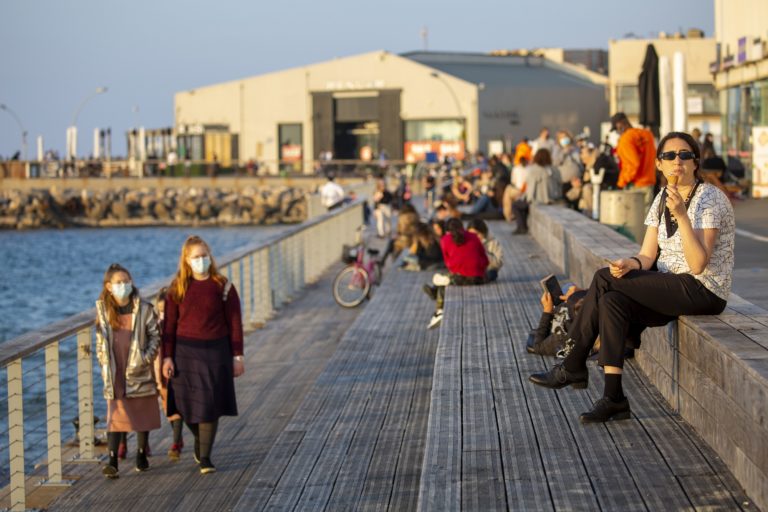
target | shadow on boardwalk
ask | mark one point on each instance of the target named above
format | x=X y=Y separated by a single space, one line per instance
x=396 y=417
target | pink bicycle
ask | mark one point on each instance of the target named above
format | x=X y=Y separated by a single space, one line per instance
x=353 y=284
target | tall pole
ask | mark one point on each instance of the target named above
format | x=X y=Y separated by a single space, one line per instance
x=21 y=127
x=437 y=75
x=99 y=90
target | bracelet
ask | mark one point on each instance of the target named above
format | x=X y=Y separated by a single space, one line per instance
x=239 y=359
x=640 y=263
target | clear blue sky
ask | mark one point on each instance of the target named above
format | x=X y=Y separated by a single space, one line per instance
x=54 y=53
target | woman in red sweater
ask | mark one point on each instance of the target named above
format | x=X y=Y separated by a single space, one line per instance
x=202 y=346
x=465 y=258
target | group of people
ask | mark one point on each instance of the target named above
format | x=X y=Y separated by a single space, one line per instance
x=684 y=266
x=185 y=350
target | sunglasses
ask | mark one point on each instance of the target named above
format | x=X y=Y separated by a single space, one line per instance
x=671 y=155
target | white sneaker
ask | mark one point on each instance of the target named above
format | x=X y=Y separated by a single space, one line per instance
x=441 y=280
x=436 y=319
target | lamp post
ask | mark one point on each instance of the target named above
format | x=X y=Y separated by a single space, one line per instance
x=73 y=128
x=435 y=74
x=5 y=107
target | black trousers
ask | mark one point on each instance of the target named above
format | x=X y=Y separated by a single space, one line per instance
x=456 y=280
x=641 y=297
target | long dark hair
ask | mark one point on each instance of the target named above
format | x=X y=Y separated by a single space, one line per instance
x=688 y=139
x=110 y=304
x=456 y=229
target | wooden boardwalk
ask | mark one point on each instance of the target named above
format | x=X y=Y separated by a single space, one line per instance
x=396 y=417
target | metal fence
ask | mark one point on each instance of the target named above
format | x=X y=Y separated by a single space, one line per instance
x=267 y=274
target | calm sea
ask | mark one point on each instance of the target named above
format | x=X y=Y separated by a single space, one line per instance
x=49 y=275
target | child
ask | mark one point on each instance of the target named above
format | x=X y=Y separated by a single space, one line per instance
x=127 y=341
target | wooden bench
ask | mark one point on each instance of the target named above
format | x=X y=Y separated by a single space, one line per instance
x=497 y=442
x=712 y=370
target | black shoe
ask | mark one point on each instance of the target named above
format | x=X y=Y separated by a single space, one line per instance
x=530 y=344
x=110 y=470
x=206 y=466
x=606 y=409
x=558 y=377
x=431 y=291
x=142 y=464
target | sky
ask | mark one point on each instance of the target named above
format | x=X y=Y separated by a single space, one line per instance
x=55 y=53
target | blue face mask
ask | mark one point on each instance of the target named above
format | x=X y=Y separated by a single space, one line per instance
x=121 y=291
x=200 y=265
x=565 y=141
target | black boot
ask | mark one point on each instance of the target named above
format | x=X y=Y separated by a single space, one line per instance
x=142 y=464
x=110 y=470
x=606 y=409
x=558 y=377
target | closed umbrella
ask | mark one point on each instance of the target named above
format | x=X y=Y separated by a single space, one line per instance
x=648 y=89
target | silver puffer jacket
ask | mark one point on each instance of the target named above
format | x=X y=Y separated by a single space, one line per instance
x=145 y=342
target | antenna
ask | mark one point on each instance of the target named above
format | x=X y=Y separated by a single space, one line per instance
x=425 y=37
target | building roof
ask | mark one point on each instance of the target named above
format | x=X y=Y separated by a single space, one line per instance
x=508 y=70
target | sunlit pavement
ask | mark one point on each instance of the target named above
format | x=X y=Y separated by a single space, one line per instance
x=750 y=276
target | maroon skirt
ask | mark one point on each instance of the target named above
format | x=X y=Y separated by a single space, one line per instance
x=203 y=388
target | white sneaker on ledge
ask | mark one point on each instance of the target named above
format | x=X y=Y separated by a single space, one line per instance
x=441 y=280
x=436 y=319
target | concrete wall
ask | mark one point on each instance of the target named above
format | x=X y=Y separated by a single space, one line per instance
x=712 y=370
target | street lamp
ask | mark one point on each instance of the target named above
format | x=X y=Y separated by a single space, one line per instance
x=435 y=74
x=21 y=127
x=99 y=90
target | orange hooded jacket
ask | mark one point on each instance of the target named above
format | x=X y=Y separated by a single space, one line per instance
x=637 y=154
x=522 y=150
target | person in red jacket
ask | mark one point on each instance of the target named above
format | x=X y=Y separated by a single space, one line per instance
x=465 y=258
x=202 y=346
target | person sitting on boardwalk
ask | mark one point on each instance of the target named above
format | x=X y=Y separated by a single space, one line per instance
x=127 y=340
x=466 y=261
x=542 y=186
x=202 y=346
x=174 y=452
x=492 y=248
x=692 y=226
x=551 y=338
x=425 y=252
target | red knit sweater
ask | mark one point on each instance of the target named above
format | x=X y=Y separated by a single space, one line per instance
x=203 y=315
x=468 y=259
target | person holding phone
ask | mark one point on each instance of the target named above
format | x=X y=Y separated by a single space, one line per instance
x=202 y=347
x=691 y=228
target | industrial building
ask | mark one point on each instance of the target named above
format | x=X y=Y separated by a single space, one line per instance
x=356 y=107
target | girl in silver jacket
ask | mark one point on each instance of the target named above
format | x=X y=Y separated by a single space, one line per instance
x=127 y=341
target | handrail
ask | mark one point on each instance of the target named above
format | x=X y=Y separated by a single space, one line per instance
x=266 y=273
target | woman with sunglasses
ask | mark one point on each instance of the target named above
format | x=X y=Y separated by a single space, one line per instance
x=690 y=236
x=127 y=340
x=202 y=347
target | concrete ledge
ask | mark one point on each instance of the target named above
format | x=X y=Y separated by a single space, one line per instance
x=713 y=370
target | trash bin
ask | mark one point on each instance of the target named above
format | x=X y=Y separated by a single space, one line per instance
x=624 y=210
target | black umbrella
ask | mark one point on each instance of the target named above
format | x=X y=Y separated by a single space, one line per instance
x=648 y=89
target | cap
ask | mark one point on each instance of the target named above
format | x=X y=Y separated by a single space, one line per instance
x=618 y=116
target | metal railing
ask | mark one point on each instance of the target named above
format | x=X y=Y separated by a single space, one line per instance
x=266 y=274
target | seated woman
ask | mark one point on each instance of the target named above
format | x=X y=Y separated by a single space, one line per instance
x=466 y=261
x=424 y=252
x=694 y=236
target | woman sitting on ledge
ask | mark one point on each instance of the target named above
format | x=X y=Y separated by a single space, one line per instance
x=691 y=227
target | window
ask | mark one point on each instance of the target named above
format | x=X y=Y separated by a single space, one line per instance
x=710 y=104
x=436 y=130
x=628 y=99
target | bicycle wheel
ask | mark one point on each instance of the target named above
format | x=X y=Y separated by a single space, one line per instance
x=351 y=287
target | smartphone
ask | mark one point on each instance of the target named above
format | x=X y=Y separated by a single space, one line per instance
x=550 y=284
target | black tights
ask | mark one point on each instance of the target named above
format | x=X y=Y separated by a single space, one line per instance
x=205 y=435
x=114 y=438
x=176 y=425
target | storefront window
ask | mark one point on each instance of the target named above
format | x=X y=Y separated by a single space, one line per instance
x=435 y=129
x=290 y=140
x=706 y=96
x=760 y=103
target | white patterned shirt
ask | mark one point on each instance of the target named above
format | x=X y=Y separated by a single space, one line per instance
x=709 y=209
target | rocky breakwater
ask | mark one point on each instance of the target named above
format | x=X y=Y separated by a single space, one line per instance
x=147 y=207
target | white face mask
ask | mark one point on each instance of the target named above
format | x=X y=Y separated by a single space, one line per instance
x=121 y=291
x=200 y=265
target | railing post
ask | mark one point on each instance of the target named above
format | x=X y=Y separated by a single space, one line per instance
x=53 y=409
x=247 y=291
x=85 y=395
x=301 y=240
x=235 y=278
x=16 y=435
x=265 y=281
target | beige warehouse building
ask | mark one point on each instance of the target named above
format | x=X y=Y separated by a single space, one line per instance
x=407 y=105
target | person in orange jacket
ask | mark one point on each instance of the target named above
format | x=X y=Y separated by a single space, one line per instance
x=523 y=150
x=636 y=151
